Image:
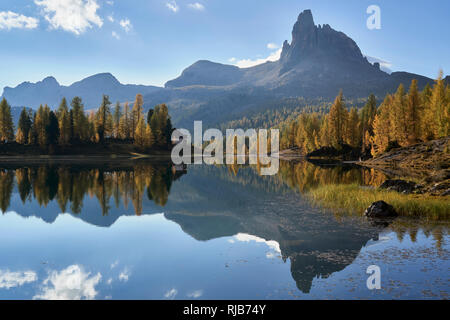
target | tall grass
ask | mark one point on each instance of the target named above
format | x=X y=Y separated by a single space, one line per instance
x=353 y=198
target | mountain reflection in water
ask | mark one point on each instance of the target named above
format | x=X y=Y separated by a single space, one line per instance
x=209 y=202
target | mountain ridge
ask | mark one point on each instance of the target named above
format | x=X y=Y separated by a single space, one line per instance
x=49 y=91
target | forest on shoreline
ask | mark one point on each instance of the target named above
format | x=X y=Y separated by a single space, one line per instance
x=402 y=119
x=48 y=132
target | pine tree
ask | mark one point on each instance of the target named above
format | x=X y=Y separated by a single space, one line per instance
x=6 y=122
x=52 y=129
x=24 y=127
x=103 y=117
x=368 y=113
x=80 y=126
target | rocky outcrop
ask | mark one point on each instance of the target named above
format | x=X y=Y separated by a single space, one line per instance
x=427 y=162
x=380 y=209
x=402 y=186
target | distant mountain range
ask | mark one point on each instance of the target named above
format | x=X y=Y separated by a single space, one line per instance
x=316 y=64
x=49 y=91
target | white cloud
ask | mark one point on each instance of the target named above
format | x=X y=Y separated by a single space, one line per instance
x=172 y=6
x=196 y=6
x=384 y=65
x=233 y=59
x=111 y=3
x=114 y=264
x=71 y=283
x=126 y=24
x=243 y=237
x=110 y=18
x=247 y=63
x=171 y=294
x=124 y=275
x=115 y=35
x=272 y=46
x=71 y=15
x=10 y=280
x=195 y=294
x=10 y=20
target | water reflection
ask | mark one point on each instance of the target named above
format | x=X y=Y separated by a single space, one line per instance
x=208 y=203
x=68 y=185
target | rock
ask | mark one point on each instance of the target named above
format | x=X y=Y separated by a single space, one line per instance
x=380 y=209
x=441 y=189
x=401 y=186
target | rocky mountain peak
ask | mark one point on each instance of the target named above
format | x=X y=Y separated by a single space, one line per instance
x=318 y=42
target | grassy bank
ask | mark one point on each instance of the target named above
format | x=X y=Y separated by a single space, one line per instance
x=355 y=199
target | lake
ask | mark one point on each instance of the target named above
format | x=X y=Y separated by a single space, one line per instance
x=141 y=230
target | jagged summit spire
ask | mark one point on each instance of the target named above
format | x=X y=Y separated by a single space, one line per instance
x=305 y=19
x=313 y=42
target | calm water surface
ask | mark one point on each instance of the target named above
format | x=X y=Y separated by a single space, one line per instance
x=145 y=231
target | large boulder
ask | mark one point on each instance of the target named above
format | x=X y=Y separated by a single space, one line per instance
x=401 y=186
x=380 y=209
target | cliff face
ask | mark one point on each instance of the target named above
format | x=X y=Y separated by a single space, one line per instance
x=318 y=42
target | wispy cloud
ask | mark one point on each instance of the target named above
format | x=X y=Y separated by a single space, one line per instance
x=10 y=280
x=10 y=20
x=196 y=6
x=110 y=18
x=126 y=24
x=72 y=283
x=171 y=294
x=195 y=294
x=272 y=46
x=115 y=35
x=247 y=63
x=124 y=275
x=71 y=15
x=172 y=6
x=384 y=65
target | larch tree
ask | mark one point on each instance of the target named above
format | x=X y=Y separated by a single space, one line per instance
x=353 y=136
x=6 y=122
x=116 y=120
x=136 y=112
x=64 y=123
x=399 y=116
x=381 y=128
x=337 y=119
x=413 y=113
x=124 y=123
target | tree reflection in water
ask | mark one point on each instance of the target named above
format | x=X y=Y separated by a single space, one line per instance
x=68 y=185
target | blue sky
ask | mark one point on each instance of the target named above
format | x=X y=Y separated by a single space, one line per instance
x=152 y=41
